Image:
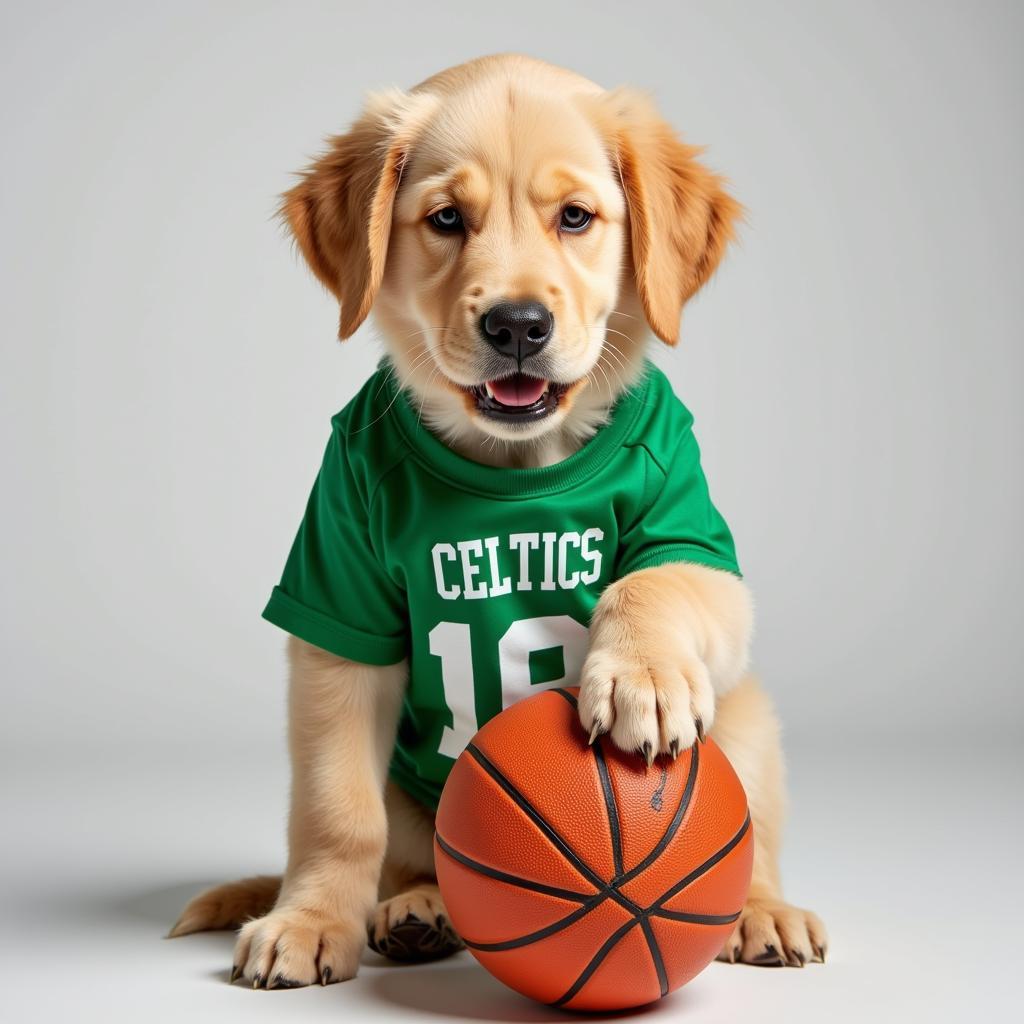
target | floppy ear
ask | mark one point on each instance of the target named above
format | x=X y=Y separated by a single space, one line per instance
x=340 y=211
x=680 y=217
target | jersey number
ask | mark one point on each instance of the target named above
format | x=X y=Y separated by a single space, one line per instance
x=451 y=642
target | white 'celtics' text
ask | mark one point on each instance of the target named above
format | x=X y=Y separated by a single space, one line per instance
x=492 y=566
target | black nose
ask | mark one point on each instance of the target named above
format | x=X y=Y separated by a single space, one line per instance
x=517 y=329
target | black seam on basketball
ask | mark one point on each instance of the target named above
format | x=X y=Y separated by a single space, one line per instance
x=542 y=933
x=608 y=888
x=705 y=867
x=674 y=915
x=659 y=963
x=623 y=900
x=502 y=876
x=566 y=694
x=536 y=817
x=673 y=825
x=595 y=962
x=613 y=811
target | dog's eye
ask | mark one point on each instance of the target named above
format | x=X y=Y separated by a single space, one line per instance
x=575 y=219
x=448 y=220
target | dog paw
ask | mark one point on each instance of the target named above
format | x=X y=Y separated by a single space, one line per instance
x=413 y=927
x=292 y=948
x=770 y=933
x=647 y=706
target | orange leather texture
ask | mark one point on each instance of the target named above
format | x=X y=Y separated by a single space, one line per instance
x=576 y=862
x=628 y=964
x=511 y=910
x=545 y=969
x=475 y=817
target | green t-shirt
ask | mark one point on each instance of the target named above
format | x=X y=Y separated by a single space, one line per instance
x=484 y=578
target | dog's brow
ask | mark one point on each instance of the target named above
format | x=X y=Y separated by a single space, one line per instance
x=465 y=186
x=557 y=182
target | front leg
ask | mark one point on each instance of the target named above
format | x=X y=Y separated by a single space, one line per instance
x=664 y=643
x=342 y=721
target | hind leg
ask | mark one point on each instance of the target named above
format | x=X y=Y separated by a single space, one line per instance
x=770 y=932
x=410 y=923
x=228 y=906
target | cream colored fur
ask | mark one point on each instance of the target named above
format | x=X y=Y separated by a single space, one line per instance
x=508 y=139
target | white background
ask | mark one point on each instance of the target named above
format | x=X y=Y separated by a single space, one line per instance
x=169 y=370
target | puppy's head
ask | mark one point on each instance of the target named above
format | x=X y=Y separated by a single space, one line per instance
x=512 y=226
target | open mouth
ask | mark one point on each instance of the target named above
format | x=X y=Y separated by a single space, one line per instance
x=518 y=398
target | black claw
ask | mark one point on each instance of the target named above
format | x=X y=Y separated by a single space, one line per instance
x=736 y=954
x=700 y=729
x=280 y=981
x=236 y=973
x=819 y=953
x=797 y=959
x=648 y=753
x=769 y=958
x=673 y=749
x=325 y=976
x=257 y=980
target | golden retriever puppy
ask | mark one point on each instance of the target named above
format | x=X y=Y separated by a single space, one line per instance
x=517 y=233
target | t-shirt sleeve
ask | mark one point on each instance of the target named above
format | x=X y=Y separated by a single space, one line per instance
x=335 y=593
x=679 y=523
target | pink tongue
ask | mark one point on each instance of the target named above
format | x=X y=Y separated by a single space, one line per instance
x=518 y=390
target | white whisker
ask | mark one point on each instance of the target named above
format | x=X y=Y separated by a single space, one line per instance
x=398 y=390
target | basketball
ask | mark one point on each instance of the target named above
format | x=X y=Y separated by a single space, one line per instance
x=578 y=875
